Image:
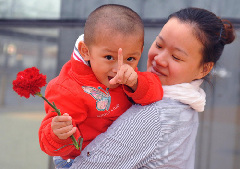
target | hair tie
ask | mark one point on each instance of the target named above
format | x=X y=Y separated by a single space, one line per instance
x=220 y=35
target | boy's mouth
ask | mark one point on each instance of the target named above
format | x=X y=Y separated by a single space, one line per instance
x=110 y=77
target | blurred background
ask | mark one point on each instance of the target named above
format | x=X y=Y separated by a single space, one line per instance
x=43 y=33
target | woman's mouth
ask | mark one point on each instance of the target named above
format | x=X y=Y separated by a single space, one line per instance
x=157 y=72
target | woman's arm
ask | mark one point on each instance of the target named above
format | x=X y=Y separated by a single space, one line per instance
x=126 y=143
x=158 y=135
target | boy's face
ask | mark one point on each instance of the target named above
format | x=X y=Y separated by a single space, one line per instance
x=103 y=55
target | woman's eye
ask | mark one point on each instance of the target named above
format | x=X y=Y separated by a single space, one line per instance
x=109 y=57
x=176 y=58
x=158 y=46
x=130 y=59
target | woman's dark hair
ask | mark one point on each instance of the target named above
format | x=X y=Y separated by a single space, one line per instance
x=213 y=32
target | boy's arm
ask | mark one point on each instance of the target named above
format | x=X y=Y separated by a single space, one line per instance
x=143 y=87
x=149 y=89
x=49 y=142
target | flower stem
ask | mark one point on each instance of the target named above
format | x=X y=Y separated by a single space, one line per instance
x=52 y=105
x=75 y=143
x=77 y=146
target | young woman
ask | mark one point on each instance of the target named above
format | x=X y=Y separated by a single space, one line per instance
x=162 y=135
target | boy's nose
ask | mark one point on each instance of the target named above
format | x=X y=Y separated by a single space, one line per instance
x=114 y=70
x=115 y=67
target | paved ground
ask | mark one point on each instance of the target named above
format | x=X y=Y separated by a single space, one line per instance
x=19 y=147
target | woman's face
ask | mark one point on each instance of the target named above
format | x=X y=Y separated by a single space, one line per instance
x=175 y=56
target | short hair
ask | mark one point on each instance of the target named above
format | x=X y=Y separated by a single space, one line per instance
x=116 y=18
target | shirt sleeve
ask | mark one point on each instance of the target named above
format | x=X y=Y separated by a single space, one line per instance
x=149 y=89
x=48 y=141
x=127 y=141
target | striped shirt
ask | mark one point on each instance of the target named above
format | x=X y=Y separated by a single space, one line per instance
x=160 y=135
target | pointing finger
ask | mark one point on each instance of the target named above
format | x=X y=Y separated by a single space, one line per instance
x=120 y=58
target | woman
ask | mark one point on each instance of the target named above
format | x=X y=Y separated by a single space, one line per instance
x=162 y=135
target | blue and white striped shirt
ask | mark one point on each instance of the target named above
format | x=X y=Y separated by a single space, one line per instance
x=160 y=135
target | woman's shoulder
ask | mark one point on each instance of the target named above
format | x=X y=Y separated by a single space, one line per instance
x=169 y=103
x=167 y=109
x=164 y=105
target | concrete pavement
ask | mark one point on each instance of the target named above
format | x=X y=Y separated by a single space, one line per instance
x=19 y=147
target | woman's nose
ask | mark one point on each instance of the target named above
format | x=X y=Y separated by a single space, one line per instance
x=161 y=59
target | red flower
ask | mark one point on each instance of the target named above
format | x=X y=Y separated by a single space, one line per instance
x=29 y=81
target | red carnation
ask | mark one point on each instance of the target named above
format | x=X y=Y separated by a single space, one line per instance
x=29 y=81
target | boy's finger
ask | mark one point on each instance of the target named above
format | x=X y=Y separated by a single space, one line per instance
x=114 y=80
x=120 y=58
x=64 y=133
x=62 y=118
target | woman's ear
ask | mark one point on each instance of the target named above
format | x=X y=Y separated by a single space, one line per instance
x=83 y=50
x=207 y=67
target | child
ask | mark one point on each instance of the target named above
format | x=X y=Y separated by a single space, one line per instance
x=96 y=89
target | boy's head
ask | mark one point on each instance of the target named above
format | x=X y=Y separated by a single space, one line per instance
x=107 y=29
x=112 y=18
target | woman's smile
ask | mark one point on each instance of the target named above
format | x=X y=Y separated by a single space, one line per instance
x=157 y=71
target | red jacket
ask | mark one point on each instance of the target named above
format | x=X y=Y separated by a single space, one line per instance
x=91 y=105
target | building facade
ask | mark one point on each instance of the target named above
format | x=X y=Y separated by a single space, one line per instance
x=43 y=34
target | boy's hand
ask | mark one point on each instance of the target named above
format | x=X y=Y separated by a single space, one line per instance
x=62 y=126
x=125 y=74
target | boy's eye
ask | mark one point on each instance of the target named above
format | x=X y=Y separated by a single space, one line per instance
x=130 y=59
x=109 y=57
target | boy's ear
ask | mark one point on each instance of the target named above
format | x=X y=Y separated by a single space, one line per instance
x=83 y=50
